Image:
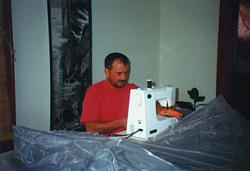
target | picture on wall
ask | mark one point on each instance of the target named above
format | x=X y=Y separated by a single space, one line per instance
x=71 y=54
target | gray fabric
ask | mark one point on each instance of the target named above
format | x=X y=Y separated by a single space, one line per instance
x=214 y=137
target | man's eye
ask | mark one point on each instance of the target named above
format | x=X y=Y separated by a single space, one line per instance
x=127 y=73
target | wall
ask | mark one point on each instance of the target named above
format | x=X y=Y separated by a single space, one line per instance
x=188 y=46
x=171 y=42
x=131 y=27
x=32 y=68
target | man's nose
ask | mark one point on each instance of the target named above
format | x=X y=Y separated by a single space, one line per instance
x=123 y=76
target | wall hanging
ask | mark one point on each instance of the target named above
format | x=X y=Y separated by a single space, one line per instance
x=70 y=47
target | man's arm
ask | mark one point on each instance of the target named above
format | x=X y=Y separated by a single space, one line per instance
x=109 y=126
x=105 y=127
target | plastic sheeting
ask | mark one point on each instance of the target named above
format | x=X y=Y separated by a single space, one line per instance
x=65 y=150
x=215 y=137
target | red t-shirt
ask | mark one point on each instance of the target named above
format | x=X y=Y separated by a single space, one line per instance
x=104 y=103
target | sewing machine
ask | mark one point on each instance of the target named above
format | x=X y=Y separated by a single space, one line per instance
x=142 y=115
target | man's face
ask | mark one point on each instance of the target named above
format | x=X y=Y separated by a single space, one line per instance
x=119 y=74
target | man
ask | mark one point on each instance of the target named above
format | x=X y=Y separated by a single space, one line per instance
x=105 y=106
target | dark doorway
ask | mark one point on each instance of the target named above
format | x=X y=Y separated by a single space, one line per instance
x=7 y=88
x=233 y=64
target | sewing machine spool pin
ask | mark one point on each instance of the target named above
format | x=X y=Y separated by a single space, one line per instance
x=149 y=83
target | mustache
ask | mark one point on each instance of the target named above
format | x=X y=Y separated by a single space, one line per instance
x=123 y=81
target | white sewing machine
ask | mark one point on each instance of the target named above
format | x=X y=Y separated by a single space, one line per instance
x=142 y=111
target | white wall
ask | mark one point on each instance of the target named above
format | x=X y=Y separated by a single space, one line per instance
x=32 y=68
x=170 y=41
x=131 y=27
x=188 y=46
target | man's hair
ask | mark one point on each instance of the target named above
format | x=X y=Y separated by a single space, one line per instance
x=114 y=56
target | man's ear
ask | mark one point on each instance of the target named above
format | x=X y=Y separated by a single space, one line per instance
x=106 y=72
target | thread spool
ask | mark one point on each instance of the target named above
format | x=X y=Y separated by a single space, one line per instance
x=149 y=83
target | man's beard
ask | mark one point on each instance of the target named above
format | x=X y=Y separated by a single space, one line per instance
x=118 y=84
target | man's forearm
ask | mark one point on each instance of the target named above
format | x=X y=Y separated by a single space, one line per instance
x=105 y=127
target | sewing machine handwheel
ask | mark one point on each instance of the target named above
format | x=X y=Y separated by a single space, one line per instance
x=149 y=96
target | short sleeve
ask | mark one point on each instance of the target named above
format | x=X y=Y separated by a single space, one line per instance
x=133 y=86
